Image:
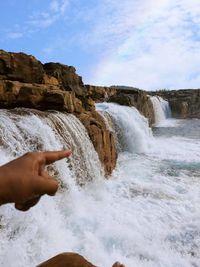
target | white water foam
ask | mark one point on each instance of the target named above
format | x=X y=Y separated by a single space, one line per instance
x=27 y=239
x=145 y=215
x=132 y=128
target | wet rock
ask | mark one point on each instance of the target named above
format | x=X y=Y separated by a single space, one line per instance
x=102 y=139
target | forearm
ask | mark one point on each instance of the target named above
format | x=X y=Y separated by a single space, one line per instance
x=4 y=186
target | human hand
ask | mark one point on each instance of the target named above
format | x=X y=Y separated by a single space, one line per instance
x=24 y=180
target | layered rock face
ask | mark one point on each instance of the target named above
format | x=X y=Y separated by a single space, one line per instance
x=26 y=82
x=100 y=93
x=184 y=103
x=134 y=97
x=20 y=67
x=101 y=137
x=66 y=76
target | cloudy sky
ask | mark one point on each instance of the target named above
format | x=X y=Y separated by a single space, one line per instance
x=150 y=44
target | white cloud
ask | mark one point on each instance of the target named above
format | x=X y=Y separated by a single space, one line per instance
x=46 y=18
x=146 y=44
x=38 y=20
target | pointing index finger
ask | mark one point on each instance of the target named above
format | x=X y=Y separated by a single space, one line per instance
x=52 y=156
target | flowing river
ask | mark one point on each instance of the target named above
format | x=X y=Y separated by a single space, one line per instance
x=146 y=215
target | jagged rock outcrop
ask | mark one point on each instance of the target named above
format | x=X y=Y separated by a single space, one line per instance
x=184 y=103
x=26 y=82
x=102 y=139
x=100 y=93
x=68 y=80
x=134 y=97
x=20 y=67
x=16 y=94
x=66 y=76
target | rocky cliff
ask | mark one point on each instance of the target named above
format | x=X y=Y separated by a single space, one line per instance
x=127 y=96
x=133 y=97
x=26 y=82
x=184 y=103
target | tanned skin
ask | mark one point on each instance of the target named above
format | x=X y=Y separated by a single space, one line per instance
x=24 y=180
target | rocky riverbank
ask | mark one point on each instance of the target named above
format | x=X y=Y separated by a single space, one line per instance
x=26 y=82
x=184 y=103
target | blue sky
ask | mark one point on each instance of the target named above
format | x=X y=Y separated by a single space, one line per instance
x=149 y=44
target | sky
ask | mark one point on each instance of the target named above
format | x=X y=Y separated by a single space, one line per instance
x=149 y=44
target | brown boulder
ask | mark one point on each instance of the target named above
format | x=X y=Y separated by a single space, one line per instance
x=20 y=67
x=30 y=96
x=66 y=76
x=100 y=93
x=60 y=100
x=37 y=96
x=102 y=139
x=8 y=93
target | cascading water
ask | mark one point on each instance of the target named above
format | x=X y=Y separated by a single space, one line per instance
x=131 y=128
x=145 y=215
x=23 y=130
x=161 y=108
x=72 y=133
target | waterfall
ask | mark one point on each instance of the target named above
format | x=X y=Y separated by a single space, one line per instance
x=146 y=214
x=132 y=131
x=161 y=108
x=23 y=130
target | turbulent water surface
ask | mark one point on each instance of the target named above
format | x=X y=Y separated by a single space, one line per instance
x=146 y=215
